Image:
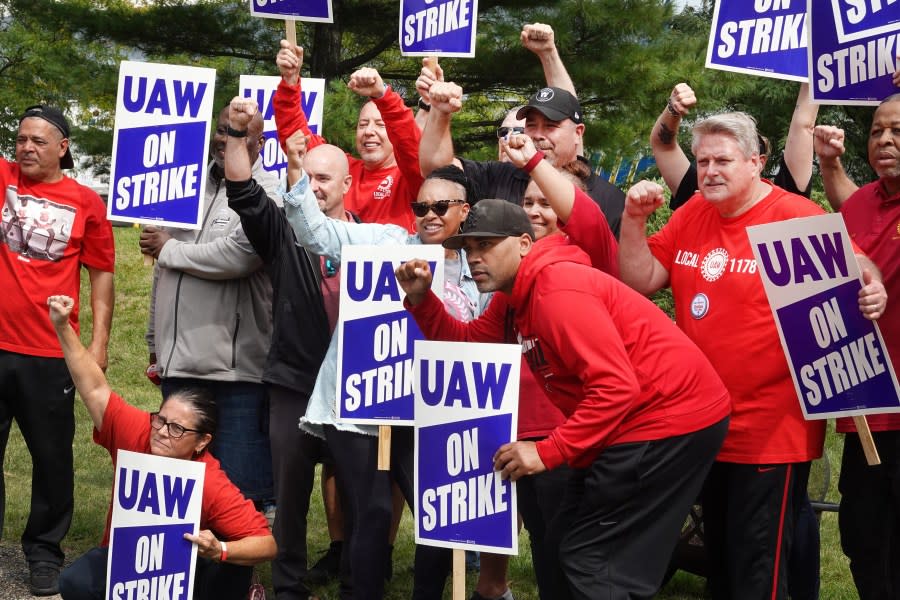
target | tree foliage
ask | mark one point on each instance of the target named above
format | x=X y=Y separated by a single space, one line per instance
x=624 y=57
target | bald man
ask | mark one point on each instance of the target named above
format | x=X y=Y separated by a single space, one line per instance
x=211 y=318
x=306 y=294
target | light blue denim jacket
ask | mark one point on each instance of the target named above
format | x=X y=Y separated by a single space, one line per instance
x=326 y=236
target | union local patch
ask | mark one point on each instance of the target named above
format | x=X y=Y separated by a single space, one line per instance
x=714 y=264
x=699 y=306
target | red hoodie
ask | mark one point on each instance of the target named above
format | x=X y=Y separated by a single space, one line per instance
x=612 y=361
x=376 y=195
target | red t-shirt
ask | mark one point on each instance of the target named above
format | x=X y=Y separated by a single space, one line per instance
x=376 y=196
x=224 y=509
x=873 y=221
x=721 y=304
x=28 y=274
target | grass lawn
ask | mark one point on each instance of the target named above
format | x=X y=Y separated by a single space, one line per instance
x=127 y=361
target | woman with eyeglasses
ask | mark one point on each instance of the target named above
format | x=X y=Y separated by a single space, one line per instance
x=233 y=534
x=441 y=206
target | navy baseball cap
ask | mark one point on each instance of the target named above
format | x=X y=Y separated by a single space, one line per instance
x=55 y=117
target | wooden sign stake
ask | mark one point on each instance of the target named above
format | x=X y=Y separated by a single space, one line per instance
x=290 y=31
x=459 y=574
x=384 y=447
x=865 y=438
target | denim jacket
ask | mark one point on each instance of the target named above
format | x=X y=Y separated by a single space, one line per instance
x=326 y=236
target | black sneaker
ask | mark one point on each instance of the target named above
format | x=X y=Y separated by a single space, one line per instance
x=327 y=567
x=44 y=579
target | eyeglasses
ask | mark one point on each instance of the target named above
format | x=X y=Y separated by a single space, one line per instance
x=440 y=208
x=503 y=131
x=176 y=431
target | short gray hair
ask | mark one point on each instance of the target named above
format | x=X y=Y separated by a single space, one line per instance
x=739 y=125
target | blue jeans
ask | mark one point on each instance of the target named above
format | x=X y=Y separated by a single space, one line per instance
x=85 y=579
x=241 y=442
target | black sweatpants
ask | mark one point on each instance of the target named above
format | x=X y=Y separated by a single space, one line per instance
x=540 y=499
x=366 y=499
x=294 y=457
x=39 y=394
x=621 y=517
x=749 y=516
x=869 y=518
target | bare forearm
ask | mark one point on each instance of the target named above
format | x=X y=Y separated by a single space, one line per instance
x=798 y=148
x=555 y=72
x=670 y=158
x=557 y=189
x=86 y=374
x=251 y=550
x=436 y=146
x=102 y=303
x=637 y=267
x=838 y=186
x=237 y=160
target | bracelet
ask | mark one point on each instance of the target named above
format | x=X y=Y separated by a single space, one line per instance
x=533 y=162
x=424 y=105
x=671 y=108
x=224 y=555
x=235 y=132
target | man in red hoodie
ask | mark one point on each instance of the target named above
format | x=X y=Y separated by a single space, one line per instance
x=640 y=434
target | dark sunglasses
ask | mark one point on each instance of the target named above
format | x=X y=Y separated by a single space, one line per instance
x=176 y=431
x=440 y=208
x=503 y=131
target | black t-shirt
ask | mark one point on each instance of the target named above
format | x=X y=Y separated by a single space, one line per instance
x=688 y=185
x=495 y=179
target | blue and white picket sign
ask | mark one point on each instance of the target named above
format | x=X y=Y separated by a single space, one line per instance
x=759 y=37
x=160 y=143
x=438 y=27
x=837 y=358
x=158 y=172
x=262 y=88
x=156 y=500
x=852 y=50
x=314 y=11
x=467 y=403
x=376 y=334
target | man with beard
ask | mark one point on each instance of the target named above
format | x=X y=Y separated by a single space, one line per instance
x=211 y=318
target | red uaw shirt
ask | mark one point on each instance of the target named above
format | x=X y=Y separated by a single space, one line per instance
x=873 y=221
x=613 y=362
x=48 y=230
x=721 y=304
x=379 y=195
x=223 y=509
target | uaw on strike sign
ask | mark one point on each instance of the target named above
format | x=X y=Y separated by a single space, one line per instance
x=837 y=357
x=156 y=500
x=158 y=171
x=376 y=334
x=853 y=51
x=467 y=398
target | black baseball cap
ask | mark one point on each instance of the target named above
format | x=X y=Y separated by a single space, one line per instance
x=554 y=103
x=55 y=117
x=492 y=218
